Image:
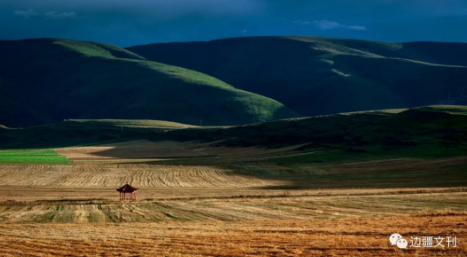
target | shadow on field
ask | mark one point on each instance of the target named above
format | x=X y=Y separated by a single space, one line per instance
x=403 y=173
x=264 y=165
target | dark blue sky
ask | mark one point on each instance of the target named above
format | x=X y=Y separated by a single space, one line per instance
x=133 y=22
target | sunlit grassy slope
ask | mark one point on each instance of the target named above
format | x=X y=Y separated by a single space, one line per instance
x=316 y=76
x=44 y=81
x=156 y=124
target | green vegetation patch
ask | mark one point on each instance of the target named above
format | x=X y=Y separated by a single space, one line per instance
x=28 y=157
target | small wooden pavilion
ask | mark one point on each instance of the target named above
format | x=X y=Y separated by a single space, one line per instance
x=127 y=189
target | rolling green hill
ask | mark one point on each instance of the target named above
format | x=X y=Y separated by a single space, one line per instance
x=79 y=132
x=44 y=81
x=316 y=76
x=424 y=132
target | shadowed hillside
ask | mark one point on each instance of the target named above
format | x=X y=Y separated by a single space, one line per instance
x=315 y=76
x=44 y=81
x=425 y=132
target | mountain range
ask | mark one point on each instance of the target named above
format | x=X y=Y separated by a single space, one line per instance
x=223 y=82
x=315 y=76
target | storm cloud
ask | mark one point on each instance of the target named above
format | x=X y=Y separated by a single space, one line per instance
x=132 y=22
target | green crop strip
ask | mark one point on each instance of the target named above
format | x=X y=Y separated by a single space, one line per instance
x=31 y=157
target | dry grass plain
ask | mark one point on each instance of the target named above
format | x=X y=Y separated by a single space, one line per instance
x=225 y=209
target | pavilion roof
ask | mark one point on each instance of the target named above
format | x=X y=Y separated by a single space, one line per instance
x=127 y=189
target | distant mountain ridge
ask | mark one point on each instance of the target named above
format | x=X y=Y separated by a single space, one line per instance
x=43 y=81
x=315 y=76
x=223 y=82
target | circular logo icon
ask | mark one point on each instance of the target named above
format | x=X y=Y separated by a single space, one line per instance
x=402 y=243
x=393 y=238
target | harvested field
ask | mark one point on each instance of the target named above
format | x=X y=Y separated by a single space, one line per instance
x=235 y=208
x=139 y=175
x=343 y=237
x=198 y=200
x=143 y=149
x=384 y=174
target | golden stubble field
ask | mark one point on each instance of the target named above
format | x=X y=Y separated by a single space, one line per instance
x=213 y=210
x=330 y=237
